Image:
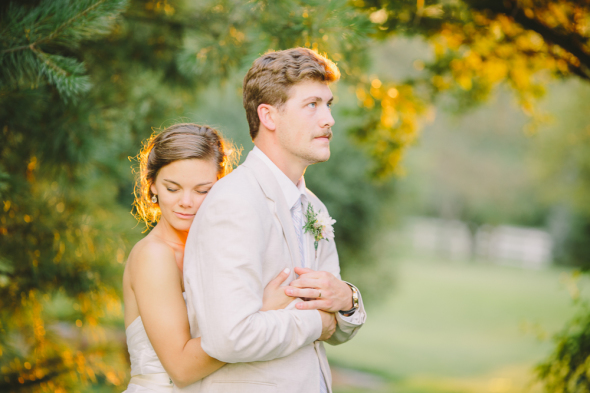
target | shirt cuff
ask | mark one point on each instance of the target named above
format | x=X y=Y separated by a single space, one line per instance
x=356 y=318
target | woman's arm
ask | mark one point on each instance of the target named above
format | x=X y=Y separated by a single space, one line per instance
x=155 y=280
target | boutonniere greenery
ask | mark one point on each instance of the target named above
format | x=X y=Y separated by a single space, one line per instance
x=319 y=225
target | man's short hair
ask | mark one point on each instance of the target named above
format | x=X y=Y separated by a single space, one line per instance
x=271 y=76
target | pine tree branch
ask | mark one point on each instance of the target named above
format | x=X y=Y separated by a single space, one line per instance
x=55 y=32
x=47 y=61
x=18 y=48
x=60 y=28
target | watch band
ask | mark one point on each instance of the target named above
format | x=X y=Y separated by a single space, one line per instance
x=355 y=301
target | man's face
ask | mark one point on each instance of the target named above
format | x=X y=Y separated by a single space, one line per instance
x=304 y=123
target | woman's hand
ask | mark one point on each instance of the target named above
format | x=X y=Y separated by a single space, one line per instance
x=274 y=297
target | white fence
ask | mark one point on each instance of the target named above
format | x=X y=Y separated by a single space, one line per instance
x=524 y=247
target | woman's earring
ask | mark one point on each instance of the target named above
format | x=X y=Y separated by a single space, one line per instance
x=154 y=199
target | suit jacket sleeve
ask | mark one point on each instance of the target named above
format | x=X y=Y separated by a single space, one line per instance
x=347 y=326
x=224 y=254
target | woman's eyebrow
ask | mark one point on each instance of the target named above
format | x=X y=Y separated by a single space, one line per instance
x=198 y=185
x=171 y=181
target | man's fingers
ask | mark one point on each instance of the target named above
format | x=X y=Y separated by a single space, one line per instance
x=303 y=292
x=278 y=280
x=312 y=305
x=304 y=283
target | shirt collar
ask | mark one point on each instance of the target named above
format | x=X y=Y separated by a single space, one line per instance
x=291 y=191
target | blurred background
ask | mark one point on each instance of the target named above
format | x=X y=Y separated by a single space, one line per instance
x=459 y=178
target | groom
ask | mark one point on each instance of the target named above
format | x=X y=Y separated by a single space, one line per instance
x=250 y=228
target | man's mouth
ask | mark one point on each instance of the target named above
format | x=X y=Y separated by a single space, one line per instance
x=327 y=136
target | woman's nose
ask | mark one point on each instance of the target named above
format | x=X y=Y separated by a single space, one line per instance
x=186 y=200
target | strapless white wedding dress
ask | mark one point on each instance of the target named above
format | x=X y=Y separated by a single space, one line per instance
x=147 y=373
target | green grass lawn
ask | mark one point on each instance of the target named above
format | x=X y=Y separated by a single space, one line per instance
x=458 y=327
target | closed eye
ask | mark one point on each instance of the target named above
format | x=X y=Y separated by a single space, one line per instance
x=171 y=189
x=205 y=191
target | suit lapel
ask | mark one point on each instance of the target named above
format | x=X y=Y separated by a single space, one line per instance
x=271 y=189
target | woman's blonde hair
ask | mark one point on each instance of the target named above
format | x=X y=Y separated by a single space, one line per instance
x=178 y=142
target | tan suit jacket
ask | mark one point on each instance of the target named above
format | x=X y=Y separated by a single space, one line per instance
x=241 y=238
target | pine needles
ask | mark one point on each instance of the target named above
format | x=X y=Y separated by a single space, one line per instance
x=34 y=43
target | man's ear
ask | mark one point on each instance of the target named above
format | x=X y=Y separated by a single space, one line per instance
x=266 y=114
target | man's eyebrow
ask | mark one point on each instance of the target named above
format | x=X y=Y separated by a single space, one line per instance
x=198 y=185
x=318 y=99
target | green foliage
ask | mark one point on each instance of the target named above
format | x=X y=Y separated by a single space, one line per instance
x=65 y=182
x=37 y=42
x=567 y=369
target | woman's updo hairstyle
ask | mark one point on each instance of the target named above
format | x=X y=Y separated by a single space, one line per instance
x=183 y=141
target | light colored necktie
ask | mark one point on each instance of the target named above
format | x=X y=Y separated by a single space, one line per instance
x=297 y=215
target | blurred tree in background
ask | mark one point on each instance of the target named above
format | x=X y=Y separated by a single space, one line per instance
x=73 y=107
x=83 y=82
x=59 y=243
x=477 y=45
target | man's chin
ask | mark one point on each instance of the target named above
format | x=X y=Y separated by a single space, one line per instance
x=321 y=157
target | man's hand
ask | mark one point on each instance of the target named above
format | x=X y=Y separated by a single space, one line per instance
x=328 y=325
x=326 y=292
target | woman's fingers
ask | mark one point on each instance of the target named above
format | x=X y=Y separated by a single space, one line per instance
x=278 y=280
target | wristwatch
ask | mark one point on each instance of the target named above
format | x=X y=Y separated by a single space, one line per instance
x=355 y=301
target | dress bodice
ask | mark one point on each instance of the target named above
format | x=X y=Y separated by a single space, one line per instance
x=141 y=352
x=148 y=374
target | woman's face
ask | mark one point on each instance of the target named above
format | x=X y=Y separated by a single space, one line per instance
x=181 y=187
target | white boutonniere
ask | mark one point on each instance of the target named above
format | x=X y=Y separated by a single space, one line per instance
x=319 y=225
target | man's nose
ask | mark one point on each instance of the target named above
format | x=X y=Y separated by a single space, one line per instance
x=328 y=120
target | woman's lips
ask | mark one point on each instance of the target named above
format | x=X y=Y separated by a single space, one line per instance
x=184 y=216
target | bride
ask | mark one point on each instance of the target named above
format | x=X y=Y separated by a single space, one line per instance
x=177 y=169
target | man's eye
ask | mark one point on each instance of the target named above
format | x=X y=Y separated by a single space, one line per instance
x=311 y=105
x=329 y=105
